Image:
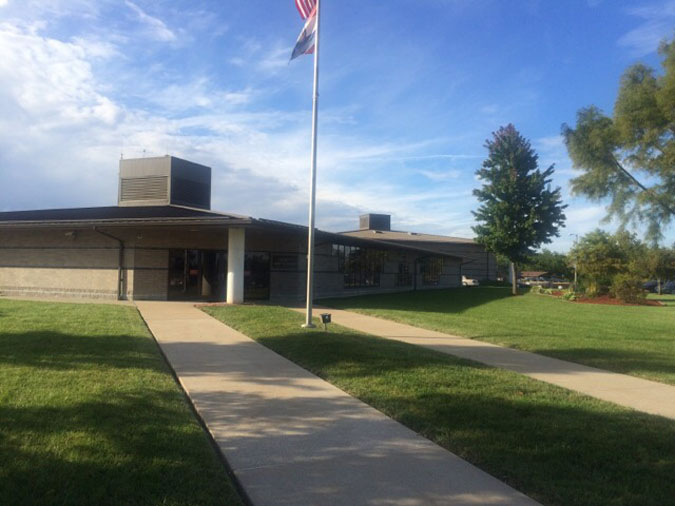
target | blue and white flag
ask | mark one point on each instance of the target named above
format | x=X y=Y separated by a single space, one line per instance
x=307 y=38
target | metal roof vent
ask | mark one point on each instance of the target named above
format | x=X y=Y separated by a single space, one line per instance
x=162 y=181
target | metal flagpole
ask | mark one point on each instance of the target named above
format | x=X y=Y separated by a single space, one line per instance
x=312 y=190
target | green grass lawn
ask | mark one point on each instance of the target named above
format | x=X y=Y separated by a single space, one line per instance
x=665 y=299
x=636 y=340
x=555 y=445
x=90 y=414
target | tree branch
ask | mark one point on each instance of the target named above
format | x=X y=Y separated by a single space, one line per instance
x=651 y=192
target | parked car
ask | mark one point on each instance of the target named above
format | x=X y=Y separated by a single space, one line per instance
x=469 y=282
x=650 y=286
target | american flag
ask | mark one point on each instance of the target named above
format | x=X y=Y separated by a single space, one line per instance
x=305 y=7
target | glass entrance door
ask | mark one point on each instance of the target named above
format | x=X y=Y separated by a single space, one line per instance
x=196 y=274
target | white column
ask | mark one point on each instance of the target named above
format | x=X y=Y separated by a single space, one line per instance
x=235 y=265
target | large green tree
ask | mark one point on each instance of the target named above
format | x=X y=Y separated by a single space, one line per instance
x=629 y=158
x=518 y=210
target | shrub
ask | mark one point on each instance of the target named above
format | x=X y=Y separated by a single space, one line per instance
x=570 y=296
x=627 y=288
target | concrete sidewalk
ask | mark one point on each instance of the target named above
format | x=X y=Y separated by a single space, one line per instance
x=640 y=394
x=293 y=439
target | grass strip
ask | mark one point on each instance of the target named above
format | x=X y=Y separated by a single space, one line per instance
x=627 y=339
x=557 y=446
x=90 y=414
x=665 y=299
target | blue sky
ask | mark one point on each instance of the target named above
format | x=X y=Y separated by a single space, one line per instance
x=410 y=90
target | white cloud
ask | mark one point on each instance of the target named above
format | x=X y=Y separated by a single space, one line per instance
x=49 y=81
x=97 y=49
x=657 y=24
x=439 y=176
x=490 y=109
x=3 y=3
x=157 y=29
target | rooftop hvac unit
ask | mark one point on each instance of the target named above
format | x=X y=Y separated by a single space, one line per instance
x=375 y=222
x=162 y=181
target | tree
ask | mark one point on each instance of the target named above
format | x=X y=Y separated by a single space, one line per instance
x=599 y=258
x=554 y=263
x=637 y=143
x=519 y=212
x=657 y=263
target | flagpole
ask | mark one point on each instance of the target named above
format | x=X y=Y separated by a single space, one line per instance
x=312 y=190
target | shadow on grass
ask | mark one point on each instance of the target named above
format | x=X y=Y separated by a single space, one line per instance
x=449 y=300
x=125 y=449
x=61 y=351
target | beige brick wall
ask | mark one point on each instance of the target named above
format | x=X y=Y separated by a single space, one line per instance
x=58 y=281
x=58 y=262
x=151 y=274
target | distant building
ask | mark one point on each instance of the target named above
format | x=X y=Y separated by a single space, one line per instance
x=477 y=263
x=162 y=242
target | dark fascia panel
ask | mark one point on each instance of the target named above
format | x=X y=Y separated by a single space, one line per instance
x=149 y=215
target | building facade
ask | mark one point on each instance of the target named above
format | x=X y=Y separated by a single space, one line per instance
x=477 y=262
x=162 y=242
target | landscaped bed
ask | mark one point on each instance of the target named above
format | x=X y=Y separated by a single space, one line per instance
x=636 y=340
x=557 y=446
x=90 y=414
x=613 y=301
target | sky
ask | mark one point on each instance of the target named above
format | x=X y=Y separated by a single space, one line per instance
x=410 y=91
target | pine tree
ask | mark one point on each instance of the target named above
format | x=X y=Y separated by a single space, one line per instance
x=519 y=212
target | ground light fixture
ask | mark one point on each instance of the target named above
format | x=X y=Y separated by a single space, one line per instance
x=325 y=319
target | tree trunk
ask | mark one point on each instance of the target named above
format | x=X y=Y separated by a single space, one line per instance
x=514 y=279
x=658 y=285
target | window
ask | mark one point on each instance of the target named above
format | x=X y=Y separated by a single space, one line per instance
x=256 y=276
x=361 y=267
x=404 y=276
x=431 y=270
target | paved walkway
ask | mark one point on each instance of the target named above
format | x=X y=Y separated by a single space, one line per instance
x=293 y=439
x=644 y=395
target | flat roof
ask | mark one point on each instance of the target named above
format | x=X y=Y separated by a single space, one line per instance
x=395 y=235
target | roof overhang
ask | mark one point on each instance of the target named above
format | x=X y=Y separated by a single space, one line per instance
x=218 y=220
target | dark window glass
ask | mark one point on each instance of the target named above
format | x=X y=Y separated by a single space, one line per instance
x=256 y=276
x=404 y=277
x=361 y=267
x=431 y=270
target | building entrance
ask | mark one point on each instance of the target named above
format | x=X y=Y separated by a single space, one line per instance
x=197 y=274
